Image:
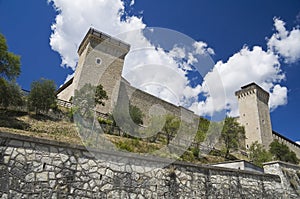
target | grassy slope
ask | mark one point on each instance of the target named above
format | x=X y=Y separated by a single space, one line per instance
x=64 y=131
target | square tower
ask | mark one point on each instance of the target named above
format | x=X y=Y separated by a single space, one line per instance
x=255 y=114
x=101 y=59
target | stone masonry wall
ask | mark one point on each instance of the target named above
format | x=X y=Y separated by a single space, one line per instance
x=289 y=174
x=36 y=168
x=150 y=104
x=292 y=145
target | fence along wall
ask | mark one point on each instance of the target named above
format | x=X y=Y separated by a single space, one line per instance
x=36 y=168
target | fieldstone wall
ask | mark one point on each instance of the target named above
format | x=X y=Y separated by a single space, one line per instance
x=37 y=168
x=289 y=174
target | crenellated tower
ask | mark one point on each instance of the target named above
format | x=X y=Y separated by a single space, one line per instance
x=255 y=114
x=101 y=59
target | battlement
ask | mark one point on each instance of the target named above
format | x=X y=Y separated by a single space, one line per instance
x=253 y=89
x=96 y=37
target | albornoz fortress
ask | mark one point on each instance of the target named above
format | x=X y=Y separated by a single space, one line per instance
x=101 y=59
x=38 y=168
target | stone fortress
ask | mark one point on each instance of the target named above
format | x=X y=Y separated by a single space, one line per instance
x=101 y=59
x=38 y=168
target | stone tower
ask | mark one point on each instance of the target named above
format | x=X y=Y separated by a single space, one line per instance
x=101 y=59
x=255 y=114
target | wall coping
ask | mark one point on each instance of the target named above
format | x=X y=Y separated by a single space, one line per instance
x=42 y=141
x=285 y=164
x=286 y=139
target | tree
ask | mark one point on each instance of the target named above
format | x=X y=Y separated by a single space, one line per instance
x=282 y=152
x=231 y=134
x=42 y=95
x=100 y=95
x=258 y=155
x=88 y=97
x=136 y=114
x=9 y=62
x=201 y=133
x=171 y=126
x=10 y=94
x=202 y=130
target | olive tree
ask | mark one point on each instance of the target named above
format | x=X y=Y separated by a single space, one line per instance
x=231 y=135
x=42 y=95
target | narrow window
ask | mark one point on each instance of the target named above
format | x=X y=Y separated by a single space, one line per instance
x=98 y=61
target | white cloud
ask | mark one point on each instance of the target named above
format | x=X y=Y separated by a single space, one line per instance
x=161 y=73
x=178 y=52
x=246 y=66
x=146 y=67
x=286 y=43
x=202 y=48
x=76 y=16
x=164 y=74
x=278 y=96
x=132 y=2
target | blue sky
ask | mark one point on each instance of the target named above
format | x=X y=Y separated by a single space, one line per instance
x=230 y=28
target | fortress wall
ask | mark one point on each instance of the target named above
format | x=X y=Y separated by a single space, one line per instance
x=151 y=105
x=36 y=168
x=66 y=93
x=146 y=101
x=292 y=146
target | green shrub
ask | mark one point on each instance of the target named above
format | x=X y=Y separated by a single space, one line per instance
x=195 y=151
x=125 y=146
x=105 y=121
x=188 y=156
x=71 y=113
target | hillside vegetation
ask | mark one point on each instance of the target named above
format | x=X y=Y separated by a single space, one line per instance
x=62 y=129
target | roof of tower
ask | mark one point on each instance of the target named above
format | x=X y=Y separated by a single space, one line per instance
x=250 y=87
x=253 y=84
x=100 y=37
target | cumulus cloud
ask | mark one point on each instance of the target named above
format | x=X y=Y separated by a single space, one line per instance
x=144 y=60
x=132 y=2
x=164 y=73
x=251 y=65
x=246 y=66
x=278 y=96
x=284 y=42
x=76 y=17
x=202 y=48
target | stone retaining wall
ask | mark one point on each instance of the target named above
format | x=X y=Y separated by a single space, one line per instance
x=289 y=175
x=37 y=168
